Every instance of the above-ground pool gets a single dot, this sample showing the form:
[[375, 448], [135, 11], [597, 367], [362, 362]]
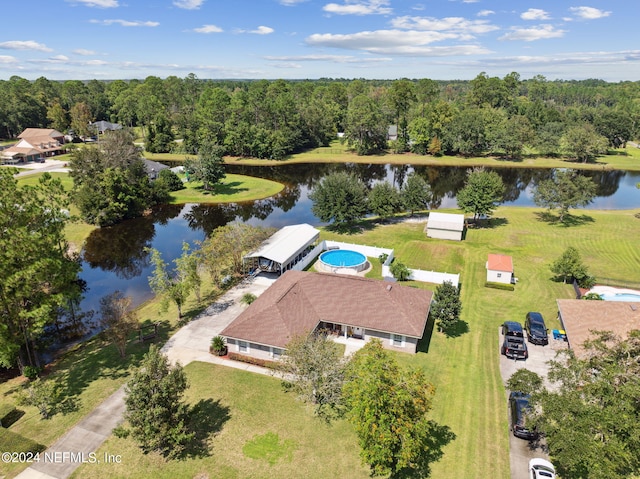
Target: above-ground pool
[[343, 258], [616, 294]]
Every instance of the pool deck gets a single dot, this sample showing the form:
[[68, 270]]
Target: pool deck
[[612, 290]]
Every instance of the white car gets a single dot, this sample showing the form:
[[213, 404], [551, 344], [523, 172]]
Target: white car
[[541, 469]]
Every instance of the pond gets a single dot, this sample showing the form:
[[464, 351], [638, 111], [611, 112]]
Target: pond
[[114, 258]]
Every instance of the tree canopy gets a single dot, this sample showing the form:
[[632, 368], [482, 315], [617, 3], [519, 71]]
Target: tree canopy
[[446, 306], [389, 408], [566, 189], [39, 276], [591, 417], [482, 193], [339, 197]]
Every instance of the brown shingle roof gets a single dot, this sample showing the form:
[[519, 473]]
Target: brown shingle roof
[[49, 133], [580, 317], [500, 262], [298, 301]]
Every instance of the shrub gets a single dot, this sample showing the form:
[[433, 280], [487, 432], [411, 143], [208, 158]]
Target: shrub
[[400, 271], [592, 297], [506, 287], [170, 179], [383, 257], [218, 345], [30, 372], [251, 360], [248, 298]]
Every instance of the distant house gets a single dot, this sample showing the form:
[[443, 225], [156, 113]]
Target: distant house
[[392, 132], [500, 269], [153, 168], [445, 226], [579, 318], [102, 126], [284, 249], [349, 306], [34, 143]]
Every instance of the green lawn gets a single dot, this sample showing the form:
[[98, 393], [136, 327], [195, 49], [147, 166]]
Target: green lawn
[[241, 416], [470, 397], [234, 188]]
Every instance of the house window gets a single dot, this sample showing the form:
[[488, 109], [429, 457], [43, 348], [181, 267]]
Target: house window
[[499, 275], [276, 353], [397, 340], [243, 347]]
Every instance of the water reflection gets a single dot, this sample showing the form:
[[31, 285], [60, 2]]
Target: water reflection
[[115, 258]]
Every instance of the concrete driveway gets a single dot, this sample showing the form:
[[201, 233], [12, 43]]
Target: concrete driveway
[[521, 450]]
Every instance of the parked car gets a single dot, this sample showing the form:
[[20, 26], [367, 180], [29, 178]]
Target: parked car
[[541, 469], [513, 344], [537, 332], [518, 408]]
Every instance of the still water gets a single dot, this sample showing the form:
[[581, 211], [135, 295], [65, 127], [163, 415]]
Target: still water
[[114, 258]]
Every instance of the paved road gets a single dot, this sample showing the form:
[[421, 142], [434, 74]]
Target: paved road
[[521, 450], [190, 343]]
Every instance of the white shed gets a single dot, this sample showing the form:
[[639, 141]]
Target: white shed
[[499, 269], [445, 226]]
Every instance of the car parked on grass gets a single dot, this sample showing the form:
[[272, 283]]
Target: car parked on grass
[[519, 407], [541, 469], [537, 332], [513, 344]]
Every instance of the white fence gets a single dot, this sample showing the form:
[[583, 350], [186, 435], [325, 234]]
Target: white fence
[[434, 277]]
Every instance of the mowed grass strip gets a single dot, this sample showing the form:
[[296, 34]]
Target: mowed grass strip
[[237, 411]]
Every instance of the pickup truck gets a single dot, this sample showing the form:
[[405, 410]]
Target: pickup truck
[[514, 347]]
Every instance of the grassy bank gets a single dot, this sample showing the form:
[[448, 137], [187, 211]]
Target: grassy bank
[[234, 188], [622, 159]]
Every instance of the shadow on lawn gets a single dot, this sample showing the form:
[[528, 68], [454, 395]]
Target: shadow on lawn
[[567, 221], [207, 419], [432, 452]]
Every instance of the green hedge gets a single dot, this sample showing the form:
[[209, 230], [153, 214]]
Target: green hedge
[[506, 287], [13, 442], [251, 360]]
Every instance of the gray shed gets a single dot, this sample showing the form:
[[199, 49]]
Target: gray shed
[[445, 226]]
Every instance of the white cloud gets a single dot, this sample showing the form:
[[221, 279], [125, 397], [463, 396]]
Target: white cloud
[[262, 30], [589, 13], [126, 23], [83, 52], [60, 58], [290, 3], [454, 24], [188, 4], [97, 3], [485, 13], [208, 29], [395, 42], [535, 14], [327, 58], [541, 32], [24, 45], [4, 59], [359, 7], [470, 1]]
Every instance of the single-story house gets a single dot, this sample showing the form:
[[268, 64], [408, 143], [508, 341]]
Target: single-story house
[[102, 126], [284, 249], [579, 317], [500, 269], [34, 143], [445, 226], [300, 302], [153, 168]]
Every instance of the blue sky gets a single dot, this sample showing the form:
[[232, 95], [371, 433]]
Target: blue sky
[[309, 39]]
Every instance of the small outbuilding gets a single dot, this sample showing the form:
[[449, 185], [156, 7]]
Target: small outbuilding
[[284, 249], [445, 226], [500, 269]]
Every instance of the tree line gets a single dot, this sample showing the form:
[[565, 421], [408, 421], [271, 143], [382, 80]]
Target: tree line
[[272, 119]]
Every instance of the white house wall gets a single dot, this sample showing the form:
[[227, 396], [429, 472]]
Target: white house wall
[[492, 276]]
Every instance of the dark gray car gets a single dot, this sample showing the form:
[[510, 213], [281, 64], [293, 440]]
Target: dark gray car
[[537, 332]]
